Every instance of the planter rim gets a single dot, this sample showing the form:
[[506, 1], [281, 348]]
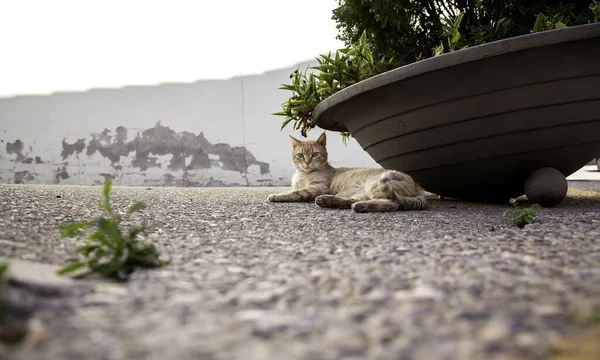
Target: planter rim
[[495, 48]]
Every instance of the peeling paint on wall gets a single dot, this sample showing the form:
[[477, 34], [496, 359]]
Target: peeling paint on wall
[[61, 174], [16, 148], [187, 150], [16, 156], [181, 158], [214, 133], [69, 149], [22, 176]]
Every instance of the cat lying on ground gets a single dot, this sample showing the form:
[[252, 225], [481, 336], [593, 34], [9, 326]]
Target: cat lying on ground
[[362, 189]]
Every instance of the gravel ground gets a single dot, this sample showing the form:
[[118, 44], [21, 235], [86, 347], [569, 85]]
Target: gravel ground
[[256, 280]]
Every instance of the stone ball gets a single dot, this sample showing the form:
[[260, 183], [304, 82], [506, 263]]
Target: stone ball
[[546, 186]]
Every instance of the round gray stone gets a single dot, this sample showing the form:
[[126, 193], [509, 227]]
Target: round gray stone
[[546, 186]]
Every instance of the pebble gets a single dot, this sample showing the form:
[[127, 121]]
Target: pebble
[[419, 292], [496, 331]]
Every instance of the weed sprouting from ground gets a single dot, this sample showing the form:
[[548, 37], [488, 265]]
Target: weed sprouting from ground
[[3, 280], [111, 251], [521, 216]]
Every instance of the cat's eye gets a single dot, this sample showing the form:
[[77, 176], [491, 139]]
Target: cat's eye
[[315, 154], [300, 155]]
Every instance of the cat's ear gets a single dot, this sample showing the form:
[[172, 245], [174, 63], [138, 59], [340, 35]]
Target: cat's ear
[[322, 140], [295, 142]]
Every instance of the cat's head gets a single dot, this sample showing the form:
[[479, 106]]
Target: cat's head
[[309, 155]]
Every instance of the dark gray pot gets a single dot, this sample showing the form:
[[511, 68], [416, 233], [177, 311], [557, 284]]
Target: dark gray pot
[[475, 123]]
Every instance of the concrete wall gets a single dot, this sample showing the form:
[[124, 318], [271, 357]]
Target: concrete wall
[[207, 133]]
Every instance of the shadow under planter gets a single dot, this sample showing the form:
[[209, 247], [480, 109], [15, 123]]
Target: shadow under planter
[[474, 124]]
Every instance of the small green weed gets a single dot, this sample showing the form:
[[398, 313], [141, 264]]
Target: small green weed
[[111, 251], [521, 216]]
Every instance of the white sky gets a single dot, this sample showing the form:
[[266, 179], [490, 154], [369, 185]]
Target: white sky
[[66, 45]]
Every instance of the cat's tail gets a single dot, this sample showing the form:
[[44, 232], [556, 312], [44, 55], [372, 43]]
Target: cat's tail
[[417, 202]]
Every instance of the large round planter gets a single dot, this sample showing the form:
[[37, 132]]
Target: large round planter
[[475, 123]]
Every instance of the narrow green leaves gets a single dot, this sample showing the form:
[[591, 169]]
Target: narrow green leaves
[[332, 74], [451, 31], [362, 58], [106, 195], [71, 268], [136, 206], [72, 229], [111, 251], [345, 137], [285, 122]]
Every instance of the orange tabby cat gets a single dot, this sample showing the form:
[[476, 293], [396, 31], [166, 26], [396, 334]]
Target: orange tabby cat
[[362, 189]]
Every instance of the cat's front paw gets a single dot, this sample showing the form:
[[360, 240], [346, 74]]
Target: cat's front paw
[[360, 207], [324, 200], [274, 198]]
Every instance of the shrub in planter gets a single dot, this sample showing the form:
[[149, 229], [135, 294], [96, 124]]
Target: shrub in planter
[[334, 72], [385, 34], [409, 29]]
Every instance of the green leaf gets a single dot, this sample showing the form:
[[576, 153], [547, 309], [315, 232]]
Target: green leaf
[[136, 206], [539, 23], [133, 233], [106, 195], [455, 30], [100, 236], [287, 87], [329, 59], [85, 250], [363, 39], [560, 25], [345, 137], [285, 122], [595, 7], [109, 228], [111, 268], [368, 57], [71, 268], [71, 229], [439, 50]]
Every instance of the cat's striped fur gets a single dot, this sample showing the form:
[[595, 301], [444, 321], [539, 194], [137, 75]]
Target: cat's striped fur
[[362, 189]]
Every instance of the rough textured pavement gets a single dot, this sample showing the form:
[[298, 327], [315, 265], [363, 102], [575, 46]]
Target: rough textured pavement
[[256, 280]]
